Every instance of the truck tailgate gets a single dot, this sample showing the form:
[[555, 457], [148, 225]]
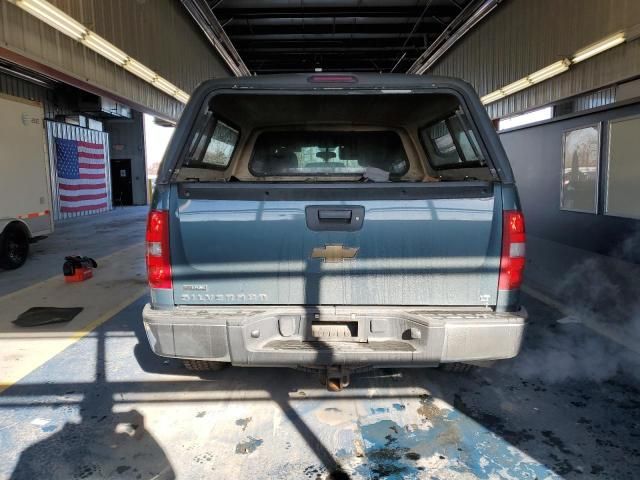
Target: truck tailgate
[[382, 244]]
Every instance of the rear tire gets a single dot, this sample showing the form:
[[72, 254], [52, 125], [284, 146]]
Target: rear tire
[[203, 365], [14, 247], [457, 367]]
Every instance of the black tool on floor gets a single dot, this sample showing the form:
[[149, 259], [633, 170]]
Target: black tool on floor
[[78, 269], [75, 262]]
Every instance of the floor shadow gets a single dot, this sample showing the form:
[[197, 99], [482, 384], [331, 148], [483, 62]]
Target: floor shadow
[[572, 427], [491, 421], [78, 450]]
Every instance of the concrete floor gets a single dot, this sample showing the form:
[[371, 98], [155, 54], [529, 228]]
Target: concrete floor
[[95, 236], [106, 407]]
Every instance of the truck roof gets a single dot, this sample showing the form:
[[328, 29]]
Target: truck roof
[[346, 79]]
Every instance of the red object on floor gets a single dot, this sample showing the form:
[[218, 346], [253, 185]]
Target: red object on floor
[[80, 275]]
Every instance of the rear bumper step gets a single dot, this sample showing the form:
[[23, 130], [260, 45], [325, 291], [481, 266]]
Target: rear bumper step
[[336, 347], [284, 336]]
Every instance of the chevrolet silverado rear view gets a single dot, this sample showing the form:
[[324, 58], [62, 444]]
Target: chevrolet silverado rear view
[[335, 223]]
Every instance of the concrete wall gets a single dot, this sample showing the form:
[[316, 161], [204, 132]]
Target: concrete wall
[[126, 138], [158, 33], [536, 156], [522, 36]]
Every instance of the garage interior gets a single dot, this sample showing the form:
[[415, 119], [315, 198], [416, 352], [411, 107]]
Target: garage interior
[[87, 398]]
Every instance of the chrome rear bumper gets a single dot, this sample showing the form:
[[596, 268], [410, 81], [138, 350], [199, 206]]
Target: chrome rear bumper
[[282, 335]]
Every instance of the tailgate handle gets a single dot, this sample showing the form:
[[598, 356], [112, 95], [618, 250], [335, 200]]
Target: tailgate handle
[[333, 215], [337, 218]]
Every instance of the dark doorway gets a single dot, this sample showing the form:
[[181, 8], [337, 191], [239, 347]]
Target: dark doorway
[[121, 185]]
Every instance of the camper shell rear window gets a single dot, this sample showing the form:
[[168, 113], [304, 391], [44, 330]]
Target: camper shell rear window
[[263, 136], [213, 145], [327, 153], [450, 143]]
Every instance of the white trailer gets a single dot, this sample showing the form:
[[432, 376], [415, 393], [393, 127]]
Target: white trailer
[[25, 185]]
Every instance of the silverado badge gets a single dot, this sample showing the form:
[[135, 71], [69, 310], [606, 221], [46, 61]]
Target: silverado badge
[[334, 253]]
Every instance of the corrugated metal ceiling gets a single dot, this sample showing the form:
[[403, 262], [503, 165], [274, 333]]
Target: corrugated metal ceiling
[[337, 35]]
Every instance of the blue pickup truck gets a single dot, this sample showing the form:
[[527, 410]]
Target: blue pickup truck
[[335, 222]]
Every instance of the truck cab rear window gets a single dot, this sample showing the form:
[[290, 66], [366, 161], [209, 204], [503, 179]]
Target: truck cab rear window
[[323, 153], [450, 143]]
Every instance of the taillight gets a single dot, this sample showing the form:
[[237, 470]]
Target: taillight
[[158, 262], [513, 251]]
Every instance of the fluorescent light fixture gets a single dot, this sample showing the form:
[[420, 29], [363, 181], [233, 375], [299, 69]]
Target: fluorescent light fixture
[[516, 86], [538, 76], [139, 70], [492, 97], [598, 47], [555, 68], [99, 45], [53, 16], [165, 86], [67, 25], [550, 71], [182, 96]]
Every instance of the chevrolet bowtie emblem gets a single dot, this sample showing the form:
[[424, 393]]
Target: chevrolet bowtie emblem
[[334, 253]]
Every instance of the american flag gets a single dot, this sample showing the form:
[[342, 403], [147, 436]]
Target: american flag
[[82, 181]]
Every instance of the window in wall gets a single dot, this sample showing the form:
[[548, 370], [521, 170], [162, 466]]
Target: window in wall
[[533, 116], [623, 170], [580, 169]]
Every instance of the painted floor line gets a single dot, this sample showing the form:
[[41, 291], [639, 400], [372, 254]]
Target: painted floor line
[[99, 261], [593, 325], [77, 335]]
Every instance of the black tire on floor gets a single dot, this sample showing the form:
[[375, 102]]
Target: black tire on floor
[[203, 365], [457, 367], [14, 246]]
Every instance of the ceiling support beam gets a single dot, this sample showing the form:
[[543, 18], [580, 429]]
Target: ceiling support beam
[[415, 26], [332, 12], [470, 16], [208, 23]]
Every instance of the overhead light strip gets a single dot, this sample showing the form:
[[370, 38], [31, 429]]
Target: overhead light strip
[[557, 67], [53, 16], [70, 27], [104, 48], [599, 47]]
